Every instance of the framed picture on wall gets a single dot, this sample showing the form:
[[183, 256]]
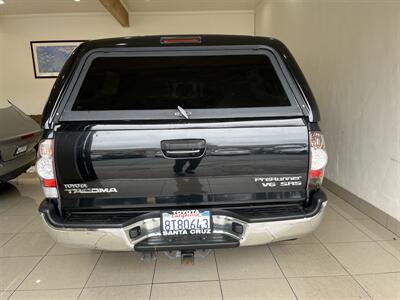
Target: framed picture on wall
[[50, 56]]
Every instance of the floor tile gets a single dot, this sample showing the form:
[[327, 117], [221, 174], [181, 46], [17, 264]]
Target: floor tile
[[190, 290], [393, 225], [14, 270], [9, 197], [60, 249], [12, 224], [61, 272], [344, 231], [257, 289], [344, 208], [374, 230], [136, 292], [168, 270], [364, 258], [30, 187], [392, 246], [23, 208], [306, 260], [327, 288], [27, 244], [347, 210], [381, 286], [331, 215], [121, 268], [330, 195], [35, 225], [308, 239], [5, 295], [5, 237], [71, 294], [7, 203], [247, 263]]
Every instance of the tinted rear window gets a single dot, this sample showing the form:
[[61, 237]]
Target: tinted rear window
[[195, 82]]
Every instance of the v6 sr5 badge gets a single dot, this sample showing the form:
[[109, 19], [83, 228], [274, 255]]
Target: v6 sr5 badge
[[279, 181]]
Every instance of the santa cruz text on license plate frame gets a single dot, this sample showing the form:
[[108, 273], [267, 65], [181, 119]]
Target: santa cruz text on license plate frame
[[186, 222]]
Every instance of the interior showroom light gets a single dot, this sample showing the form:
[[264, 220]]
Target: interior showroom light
[[2, 2]]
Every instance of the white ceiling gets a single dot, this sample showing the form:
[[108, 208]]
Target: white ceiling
[[12, 7]]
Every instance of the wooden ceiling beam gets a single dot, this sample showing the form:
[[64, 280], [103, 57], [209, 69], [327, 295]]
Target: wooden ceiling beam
[[117, 10]]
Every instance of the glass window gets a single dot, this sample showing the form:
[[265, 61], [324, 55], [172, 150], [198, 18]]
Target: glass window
[[192, 82]]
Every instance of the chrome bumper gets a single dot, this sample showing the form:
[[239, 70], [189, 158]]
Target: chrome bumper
[[118, 239]]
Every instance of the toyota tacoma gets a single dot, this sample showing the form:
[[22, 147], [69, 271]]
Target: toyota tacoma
[[181, 143]]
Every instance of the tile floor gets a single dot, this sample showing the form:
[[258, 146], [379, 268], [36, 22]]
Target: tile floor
[[350, 256]]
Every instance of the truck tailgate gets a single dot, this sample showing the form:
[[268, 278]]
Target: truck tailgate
[[126, 166]]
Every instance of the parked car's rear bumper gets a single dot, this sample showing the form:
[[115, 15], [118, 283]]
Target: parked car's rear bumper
[[119, 239], [13, 168]]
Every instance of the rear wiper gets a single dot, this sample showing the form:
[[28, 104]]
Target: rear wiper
[[183, 112]]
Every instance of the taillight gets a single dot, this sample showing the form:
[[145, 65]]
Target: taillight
[[318, 160], [27, 136], [45, 168]]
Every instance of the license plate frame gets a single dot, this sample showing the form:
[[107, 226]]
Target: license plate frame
[[192, 222]]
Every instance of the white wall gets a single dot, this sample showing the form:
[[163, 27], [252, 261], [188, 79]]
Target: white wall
[[350, 52], [17, 80], [1, 67]]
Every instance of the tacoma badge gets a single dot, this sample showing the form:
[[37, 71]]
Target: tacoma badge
[[84, 189]]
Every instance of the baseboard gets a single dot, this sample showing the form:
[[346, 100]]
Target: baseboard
[[371, 211]]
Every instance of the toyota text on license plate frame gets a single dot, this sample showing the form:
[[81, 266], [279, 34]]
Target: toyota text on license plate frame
[[186, 222]]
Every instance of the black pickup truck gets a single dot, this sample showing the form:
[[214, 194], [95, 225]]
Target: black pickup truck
[[181, 143]]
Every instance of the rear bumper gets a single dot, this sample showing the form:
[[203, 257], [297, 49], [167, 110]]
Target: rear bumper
[[13, 168], [119, 239]]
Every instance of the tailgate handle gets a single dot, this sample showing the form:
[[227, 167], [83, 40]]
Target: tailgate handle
[[182, 151], [184, 148]]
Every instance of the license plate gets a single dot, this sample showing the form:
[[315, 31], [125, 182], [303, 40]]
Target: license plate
[[21, 150], [186, 222]]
